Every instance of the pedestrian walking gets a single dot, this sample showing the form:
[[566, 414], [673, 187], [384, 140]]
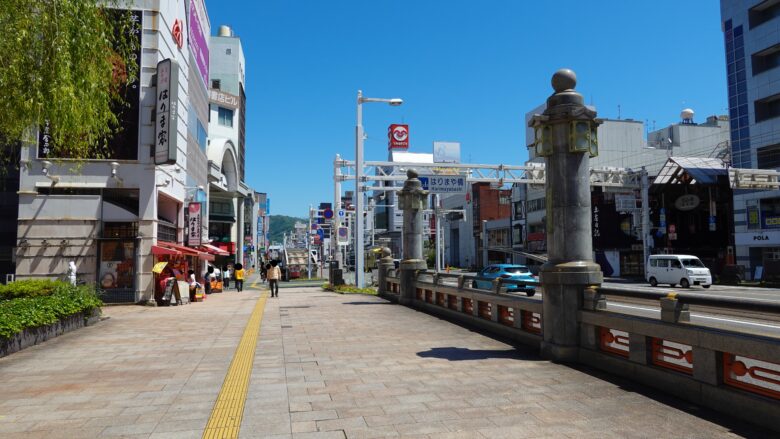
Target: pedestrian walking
[[239, 277], [193, 284], [228, 272], [274, 274], [264, 271], [207, 277]]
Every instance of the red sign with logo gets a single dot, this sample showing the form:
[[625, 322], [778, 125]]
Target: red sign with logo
[[176, 31], [398, 136]]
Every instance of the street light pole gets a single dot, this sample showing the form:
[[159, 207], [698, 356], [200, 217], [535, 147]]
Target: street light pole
[[359, 225]]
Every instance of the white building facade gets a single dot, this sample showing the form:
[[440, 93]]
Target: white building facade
[[109, 215], [751, 30]]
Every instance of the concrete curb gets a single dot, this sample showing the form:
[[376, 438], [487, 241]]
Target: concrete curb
[[33, 336]]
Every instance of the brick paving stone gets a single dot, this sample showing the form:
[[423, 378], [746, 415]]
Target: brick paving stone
[[323, 368]]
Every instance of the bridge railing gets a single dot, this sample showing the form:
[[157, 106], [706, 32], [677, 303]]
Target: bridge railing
[[725, 368]]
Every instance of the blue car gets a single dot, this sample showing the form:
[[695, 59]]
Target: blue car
[[505, 271]]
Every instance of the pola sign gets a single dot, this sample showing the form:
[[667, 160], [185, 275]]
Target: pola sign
[[398, 136]]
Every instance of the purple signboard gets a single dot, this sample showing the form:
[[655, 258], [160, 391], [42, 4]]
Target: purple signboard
[[198, 43]]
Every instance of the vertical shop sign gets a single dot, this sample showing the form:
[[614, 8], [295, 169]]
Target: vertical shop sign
[[165, 134], [197, 38], [194, 224], [596, 227]]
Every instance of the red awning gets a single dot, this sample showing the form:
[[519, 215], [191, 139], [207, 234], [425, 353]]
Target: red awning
[[157, 250], [189, 251], [214, 250]]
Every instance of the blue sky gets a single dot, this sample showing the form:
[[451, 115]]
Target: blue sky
[[468, 71]]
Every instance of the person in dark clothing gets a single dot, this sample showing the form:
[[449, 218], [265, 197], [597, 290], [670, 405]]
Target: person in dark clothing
[[207, 279]]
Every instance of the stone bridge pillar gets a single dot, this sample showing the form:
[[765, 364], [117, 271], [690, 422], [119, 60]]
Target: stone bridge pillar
[[385, 264], [565, 134], [412, 200]]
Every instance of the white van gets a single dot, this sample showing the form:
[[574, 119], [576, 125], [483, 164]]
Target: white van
[[685, 270]]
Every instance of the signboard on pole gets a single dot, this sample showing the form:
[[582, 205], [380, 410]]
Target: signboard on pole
[[343, 236], [166, 117], [444, 184], [194, 224], [398, 136]]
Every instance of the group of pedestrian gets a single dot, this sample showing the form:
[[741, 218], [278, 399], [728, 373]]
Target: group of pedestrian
[[214, 274]]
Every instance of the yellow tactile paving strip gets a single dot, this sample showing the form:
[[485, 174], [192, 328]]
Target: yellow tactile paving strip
[[225, 419]]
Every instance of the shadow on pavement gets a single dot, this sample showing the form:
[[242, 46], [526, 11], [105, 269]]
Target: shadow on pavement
[[367, 303], [462, 354], [735, 426]]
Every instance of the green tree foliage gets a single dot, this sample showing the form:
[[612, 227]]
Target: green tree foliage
[[281, 224], [66, 62]]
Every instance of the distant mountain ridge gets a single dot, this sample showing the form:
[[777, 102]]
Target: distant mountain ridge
[[281, 224]]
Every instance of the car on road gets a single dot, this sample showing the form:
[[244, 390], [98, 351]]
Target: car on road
[[685, 270], [485, 278]]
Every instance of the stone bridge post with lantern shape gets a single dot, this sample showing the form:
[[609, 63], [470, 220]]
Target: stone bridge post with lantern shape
[[565, 135], [412, 200]]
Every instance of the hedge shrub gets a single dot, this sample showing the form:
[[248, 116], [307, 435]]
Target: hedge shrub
[[30, 288], [37, 309]]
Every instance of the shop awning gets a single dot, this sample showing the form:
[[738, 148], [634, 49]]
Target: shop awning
[[691, 170], [214, 250], [158, 250], [189, 251]]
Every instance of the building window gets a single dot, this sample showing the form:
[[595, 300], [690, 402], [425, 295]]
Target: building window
[[737, 95], [228, 51], [166, 232], [769, 157], [766, 59], [536, 205], [225, 117], [763, 12], [767, 108], [216, 84]]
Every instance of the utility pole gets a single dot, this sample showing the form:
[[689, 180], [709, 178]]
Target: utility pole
[[308, 243]]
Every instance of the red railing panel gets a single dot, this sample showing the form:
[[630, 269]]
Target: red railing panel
[[419, 293], [452, 302], [506, 315], [614, 341], [531, 322], [440, 299], [428, 296], [468, 306], [485, 310], [672, 355], [753, 375]]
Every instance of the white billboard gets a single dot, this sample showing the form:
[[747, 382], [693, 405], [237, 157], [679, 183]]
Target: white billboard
[[446, 152]]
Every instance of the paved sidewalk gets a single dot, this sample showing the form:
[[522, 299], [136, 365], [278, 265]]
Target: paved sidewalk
[[325, 365]]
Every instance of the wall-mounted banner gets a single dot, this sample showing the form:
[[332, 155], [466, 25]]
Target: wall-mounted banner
[[194, 224], [165, 134], [198, 20]]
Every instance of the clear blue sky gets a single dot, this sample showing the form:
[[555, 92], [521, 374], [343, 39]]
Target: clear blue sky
[[468, 71]]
